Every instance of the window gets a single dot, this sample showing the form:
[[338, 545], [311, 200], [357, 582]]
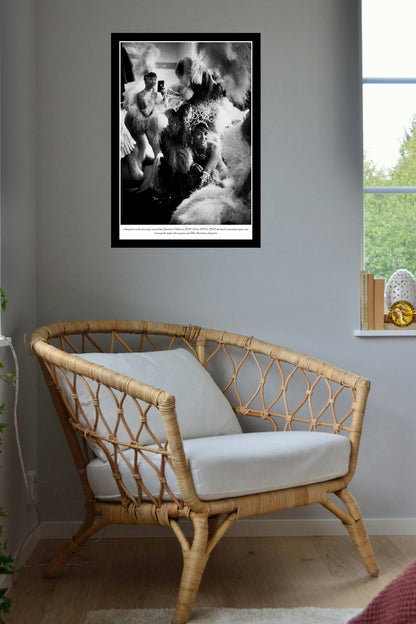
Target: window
[[389, 134]]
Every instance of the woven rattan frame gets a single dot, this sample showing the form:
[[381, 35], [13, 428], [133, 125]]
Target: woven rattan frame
[[324, 397]]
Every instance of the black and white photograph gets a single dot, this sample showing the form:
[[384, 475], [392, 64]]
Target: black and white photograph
[[185, 140]]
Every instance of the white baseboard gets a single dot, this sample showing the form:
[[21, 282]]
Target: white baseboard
[[245, 528]]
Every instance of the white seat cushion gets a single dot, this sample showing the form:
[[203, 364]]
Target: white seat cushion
[[201, 407], [238, 464]]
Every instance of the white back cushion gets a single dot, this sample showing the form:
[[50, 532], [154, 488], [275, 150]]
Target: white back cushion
[[201, 407]]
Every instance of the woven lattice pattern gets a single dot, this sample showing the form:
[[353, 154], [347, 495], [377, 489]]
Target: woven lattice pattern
[[285, 395]]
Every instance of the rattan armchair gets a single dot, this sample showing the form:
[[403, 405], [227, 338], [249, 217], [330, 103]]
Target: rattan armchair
[[151, 468]]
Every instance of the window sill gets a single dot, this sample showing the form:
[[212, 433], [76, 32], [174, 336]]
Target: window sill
[[373, 333]]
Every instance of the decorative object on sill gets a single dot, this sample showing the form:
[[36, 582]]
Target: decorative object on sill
[[402, 313], [401, 298], [364, 299], [372, 301], [378, 303], [401, 287]]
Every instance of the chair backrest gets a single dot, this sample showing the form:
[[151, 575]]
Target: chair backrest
[[261, 380]]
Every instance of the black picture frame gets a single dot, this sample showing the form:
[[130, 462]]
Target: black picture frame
[[149, 208]]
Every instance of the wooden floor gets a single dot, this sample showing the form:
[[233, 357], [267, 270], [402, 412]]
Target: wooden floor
[[241, 573]]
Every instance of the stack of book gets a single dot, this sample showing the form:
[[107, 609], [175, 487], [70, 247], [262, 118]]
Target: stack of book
[[372, 301]]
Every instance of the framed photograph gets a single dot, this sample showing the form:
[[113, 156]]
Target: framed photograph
[[185, 140]]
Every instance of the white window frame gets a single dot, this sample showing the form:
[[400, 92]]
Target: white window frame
[[366, 80]]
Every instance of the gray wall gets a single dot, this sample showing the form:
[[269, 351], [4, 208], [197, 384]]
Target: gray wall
[[300, 289], [18, 254]]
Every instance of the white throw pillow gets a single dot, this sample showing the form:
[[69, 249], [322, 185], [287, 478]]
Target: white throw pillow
[[201, 407]]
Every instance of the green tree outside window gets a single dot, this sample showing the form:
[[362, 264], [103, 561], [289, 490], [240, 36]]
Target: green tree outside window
[[390, 218]]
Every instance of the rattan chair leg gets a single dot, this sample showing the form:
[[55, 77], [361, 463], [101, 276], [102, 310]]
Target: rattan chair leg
[[358, 532], [360, 539], [74, 546], [195, 558], [353, 522]]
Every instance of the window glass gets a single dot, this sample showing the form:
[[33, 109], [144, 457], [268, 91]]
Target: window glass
[[390, 233], [388, 33], [389, 115]]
